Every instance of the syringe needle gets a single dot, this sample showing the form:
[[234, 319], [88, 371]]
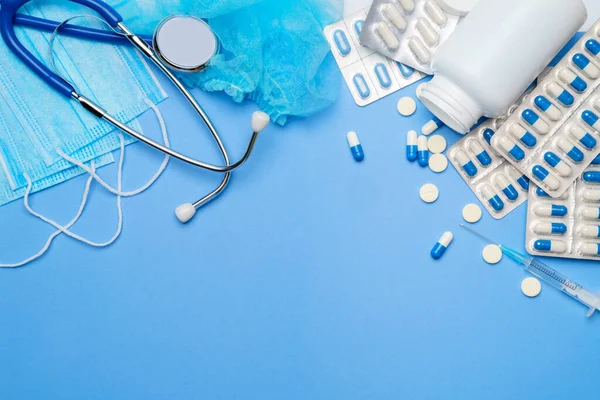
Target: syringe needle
[[478, 234]]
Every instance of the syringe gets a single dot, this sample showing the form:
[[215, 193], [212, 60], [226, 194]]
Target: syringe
[[548, 275]]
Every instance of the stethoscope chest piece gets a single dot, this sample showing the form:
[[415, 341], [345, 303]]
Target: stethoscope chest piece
[[185, 43]]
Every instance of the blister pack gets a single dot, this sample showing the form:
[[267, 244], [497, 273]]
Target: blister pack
[[498, 185], [553, 135], [567, 226], [410, 31], [369, 76]]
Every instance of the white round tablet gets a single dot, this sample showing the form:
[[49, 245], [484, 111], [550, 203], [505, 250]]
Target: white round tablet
[[531, 287], [492, 254], [471, 213], [436, 144], [438, 163], [420, 89], [407, 106], [429, 193]]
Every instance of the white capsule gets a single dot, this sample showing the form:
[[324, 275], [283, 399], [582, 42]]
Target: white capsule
[[431, 126], [590, 231], [590, 249], [427, 32], [436, 13], [419, 50], [395, 17], [591, 195], [385, 33], [591, 213], [407, 5]]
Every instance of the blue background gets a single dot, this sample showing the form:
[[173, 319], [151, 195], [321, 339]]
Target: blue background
[[310, 278]]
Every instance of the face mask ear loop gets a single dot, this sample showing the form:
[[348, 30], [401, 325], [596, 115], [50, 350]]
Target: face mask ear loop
[[53, 236], [154, 178], [72, 235]]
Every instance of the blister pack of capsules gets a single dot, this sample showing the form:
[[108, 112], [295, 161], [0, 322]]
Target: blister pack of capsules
[[499, 186], [567, 226], [408, 31], [554, 134], [368, 75]]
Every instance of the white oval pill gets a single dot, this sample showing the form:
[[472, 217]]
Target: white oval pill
[[419, 50], [492, 254], [531, 287], [395, 17], [407, 5], [407, 106], [385, 33], [472, 213], [438, 163], [436, 13], [427, 32], [429, 193], [437, 144]]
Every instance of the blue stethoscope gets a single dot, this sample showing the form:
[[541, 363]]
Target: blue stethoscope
[[168, 49]]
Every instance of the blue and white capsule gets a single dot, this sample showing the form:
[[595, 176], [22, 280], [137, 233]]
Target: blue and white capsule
[[492, 198], [550, 246], [523, 135], [431, 126], [512, 149], [570, 150], [545, 177], [560, 94], [591, 213], [341, 42], [586, 66], [422, 151], [535, 121], [596, 161], [411, 146], [539, 192], [482, 155], [591, 195], [442, 245], [508, 189], [550, 210], [521, 179], [545, 105], [488, 134], [465, 163], [550, 228], [572, 79], [592, 177], [383, 75], [590, 249], [590, 231], [558, 164], [585, 138], [405, 70], [591, 119], [593, 47], [355, 147], [361, 85]]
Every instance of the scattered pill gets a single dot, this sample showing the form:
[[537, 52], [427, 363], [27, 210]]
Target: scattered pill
[[429, 193], [407, 106], [472, 213], [531, 287], [440, 247], [411, 146], [438, 163], [431, 126], [355, 146], [422, 151], [492, 254], [436, 144], [550, 246]]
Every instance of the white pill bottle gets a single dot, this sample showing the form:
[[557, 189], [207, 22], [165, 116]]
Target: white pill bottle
[[495, 54]]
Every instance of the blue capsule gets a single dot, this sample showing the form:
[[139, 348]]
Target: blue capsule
[[561, 94], [422, 151], [493, 199], [488, 134], [543, 175], [541, 193], [360, 83], [513, 150], [584, 64], [592, 176], [507, 188], [405, 70], [411, 146], [559, 228], [558, 211], [596, 161], [523, 135], [523, 182], [465, 162], [355, 147], [440, 247], [383, 76], [534, 120], [550, 228], [548, 108], [593, 47], [590, 118], [358, 26], [552, 246], [570, 78], [571, 151], [341, 42], [481, 154], [557, 163]]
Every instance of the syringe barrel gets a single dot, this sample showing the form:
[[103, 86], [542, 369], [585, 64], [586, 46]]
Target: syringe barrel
[[551, 276]]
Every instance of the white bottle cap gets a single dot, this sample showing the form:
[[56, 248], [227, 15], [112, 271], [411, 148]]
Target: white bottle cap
[[451, 104]]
